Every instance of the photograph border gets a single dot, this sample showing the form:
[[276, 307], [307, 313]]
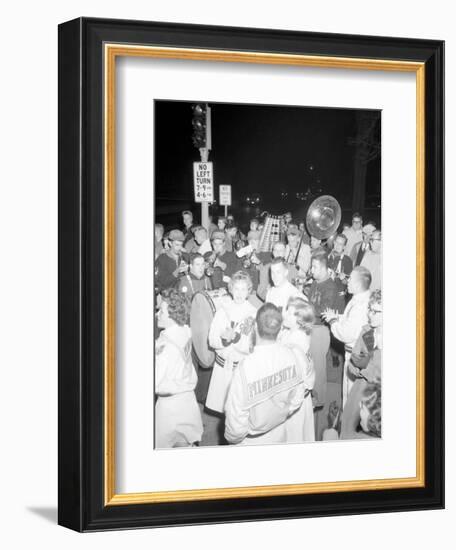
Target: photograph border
[[88, 49]]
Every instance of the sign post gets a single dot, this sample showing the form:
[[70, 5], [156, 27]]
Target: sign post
[[203, 182], [225, 197]]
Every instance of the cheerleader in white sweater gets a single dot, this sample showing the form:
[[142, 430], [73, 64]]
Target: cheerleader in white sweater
[[230, 336], [177, 416]]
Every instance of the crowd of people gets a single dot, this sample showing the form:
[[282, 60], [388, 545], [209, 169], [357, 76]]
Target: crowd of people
[[279, 317]]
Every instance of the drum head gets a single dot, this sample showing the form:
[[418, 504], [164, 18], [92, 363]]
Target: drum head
[[201, 315]]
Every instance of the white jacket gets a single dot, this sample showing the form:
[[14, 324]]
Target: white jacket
[[279, 295], [348, 326], [267, 387], [299, 342], [178, 419], [174, 370], [241, 318]]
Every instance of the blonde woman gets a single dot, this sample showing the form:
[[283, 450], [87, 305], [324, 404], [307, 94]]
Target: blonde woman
[[230, 337], [298, 320]]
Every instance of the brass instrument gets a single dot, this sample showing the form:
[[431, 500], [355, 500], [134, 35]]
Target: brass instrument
[[209, 269], [322, 221], [323, 217], [182, 264]]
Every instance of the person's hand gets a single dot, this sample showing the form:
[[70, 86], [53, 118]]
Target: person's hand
[[255, 260], [329, 315], [247, 325], [359, 360], [354, 371], [342, 276], [227, 334]]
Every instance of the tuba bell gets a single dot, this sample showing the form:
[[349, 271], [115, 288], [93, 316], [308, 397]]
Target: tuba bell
[[323, 217]]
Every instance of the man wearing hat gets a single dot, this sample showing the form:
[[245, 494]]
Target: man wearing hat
[[170, 265], [223, 262]]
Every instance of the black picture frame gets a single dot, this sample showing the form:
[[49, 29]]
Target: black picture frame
[[81, 473]]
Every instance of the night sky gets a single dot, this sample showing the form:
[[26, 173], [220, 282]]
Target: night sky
[[260, 149]]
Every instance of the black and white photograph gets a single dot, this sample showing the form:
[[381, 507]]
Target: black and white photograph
[[224, 307], [268, 274]]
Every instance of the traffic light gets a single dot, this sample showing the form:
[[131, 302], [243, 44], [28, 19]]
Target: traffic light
[[200, 123]]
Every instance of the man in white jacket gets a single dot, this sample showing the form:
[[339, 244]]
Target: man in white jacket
[[267, 387], [347, 327]]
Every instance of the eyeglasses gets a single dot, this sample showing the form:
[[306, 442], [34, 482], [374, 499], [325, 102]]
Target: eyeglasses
[[374, 311]]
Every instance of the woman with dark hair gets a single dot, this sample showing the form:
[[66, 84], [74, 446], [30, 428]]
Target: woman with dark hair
[[298, 320], [177, 416]]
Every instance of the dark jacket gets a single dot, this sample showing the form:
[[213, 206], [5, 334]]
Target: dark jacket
[[325, 295], [167, 267]]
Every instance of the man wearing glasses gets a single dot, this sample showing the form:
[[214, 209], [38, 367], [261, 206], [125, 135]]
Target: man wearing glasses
[[360, 248], [354, 233], [372, 260]]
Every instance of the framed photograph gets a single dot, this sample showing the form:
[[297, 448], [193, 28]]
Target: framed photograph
[[251, 315]]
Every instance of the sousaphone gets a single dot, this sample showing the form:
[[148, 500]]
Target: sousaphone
[[323, 217]]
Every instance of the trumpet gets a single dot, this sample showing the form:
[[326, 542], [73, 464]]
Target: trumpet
[[302, 282], [209, 269], [183, 265], [249, 256]]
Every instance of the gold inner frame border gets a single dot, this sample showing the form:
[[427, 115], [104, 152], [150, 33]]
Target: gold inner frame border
[[110, 53]]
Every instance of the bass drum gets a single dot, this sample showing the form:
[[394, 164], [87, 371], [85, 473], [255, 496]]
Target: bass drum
[[204, 305]]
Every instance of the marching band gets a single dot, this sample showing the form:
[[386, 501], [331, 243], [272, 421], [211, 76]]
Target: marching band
[[249, 323]]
